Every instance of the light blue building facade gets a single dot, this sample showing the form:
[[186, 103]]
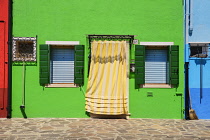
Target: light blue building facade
[[197, 55]]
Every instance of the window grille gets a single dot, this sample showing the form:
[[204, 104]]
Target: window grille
[[199, 51], [24, 49]]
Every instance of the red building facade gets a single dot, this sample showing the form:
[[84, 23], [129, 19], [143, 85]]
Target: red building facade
[[4, 20]]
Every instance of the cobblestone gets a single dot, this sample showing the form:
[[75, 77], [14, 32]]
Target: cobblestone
[[103, 129]]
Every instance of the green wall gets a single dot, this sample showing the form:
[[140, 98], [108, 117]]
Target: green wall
[[71, 20]]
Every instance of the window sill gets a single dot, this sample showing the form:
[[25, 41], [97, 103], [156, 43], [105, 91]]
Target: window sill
[[194, 58], [61, 85], [156, 86]]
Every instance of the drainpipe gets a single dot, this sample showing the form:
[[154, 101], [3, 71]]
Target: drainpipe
[[187, 102], [22, 106], [186, 29], [9, 105], [186, 66], [191, 17]]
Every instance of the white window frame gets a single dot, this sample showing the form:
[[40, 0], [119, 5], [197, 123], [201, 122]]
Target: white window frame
[[156, 44]]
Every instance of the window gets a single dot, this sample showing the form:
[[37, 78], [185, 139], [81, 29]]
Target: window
[[24, 49], [61, 65], [156, 66], [199, 51]]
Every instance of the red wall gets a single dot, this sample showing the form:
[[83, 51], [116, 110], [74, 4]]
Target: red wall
[[3, 57]]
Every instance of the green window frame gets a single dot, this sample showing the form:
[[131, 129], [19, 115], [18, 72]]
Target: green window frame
[[140, 65], [174, 65], [45, 64]]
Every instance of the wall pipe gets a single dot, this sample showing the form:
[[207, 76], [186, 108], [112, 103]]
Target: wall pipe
[[186, 65], [186, 27], [9, 101], [191, 16], [23, 84], [187, 96], [22, 106], [201, 79]]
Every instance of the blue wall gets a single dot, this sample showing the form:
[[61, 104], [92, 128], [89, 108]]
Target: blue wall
[[200, 17], [199, 68], [199, 73], [200, 102], [199, 81]]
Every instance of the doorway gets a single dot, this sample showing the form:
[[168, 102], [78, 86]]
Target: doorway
[[108, 82]]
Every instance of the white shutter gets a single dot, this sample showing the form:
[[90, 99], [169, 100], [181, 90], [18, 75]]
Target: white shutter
[[62, 65], [156, 66]]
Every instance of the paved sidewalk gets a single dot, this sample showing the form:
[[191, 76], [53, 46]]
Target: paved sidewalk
[[102, 129]]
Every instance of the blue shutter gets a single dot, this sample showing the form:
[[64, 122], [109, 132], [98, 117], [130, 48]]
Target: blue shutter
[[62, 65], [156, 66]]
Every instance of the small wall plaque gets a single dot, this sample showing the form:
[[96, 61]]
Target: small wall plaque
[[135, 41]]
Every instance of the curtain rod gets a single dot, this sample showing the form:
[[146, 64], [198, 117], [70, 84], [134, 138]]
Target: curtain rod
[[111, 36]]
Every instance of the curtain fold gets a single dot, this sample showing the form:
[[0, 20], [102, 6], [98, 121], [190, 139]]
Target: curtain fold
[[107, 83]]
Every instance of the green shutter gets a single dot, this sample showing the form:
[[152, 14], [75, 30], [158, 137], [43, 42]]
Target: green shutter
[[44, 67], [79, 64], [174, 65], [139, 65]]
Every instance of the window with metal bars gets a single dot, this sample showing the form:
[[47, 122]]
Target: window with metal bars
[[24, 49], [199, 51]]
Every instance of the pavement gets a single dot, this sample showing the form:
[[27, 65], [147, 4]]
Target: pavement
[[103, 129]]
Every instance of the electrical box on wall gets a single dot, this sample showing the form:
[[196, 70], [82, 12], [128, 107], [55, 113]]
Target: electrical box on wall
[[132, 67]]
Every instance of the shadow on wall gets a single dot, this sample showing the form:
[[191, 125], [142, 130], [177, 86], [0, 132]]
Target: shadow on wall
[[200, 61], [27, 63]]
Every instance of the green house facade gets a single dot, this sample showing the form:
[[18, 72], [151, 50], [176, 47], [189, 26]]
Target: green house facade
[[52, 56]]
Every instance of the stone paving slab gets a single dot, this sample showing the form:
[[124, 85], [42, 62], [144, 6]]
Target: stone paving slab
[[103, 129]]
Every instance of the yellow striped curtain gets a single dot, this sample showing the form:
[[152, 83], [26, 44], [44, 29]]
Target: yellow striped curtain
[[107, 83]]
